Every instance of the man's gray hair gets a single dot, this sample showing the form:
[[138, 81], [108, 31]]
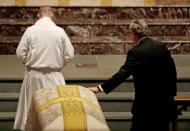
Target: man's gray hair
[[139, 27]]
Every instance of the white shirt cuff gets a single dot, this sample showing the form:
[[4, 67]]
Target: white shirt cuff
[[100, 87]]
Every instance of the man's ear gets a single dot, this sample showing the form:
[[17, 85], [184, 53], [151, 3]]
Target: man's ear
[[38, 15], [133, 36], [52, 15]]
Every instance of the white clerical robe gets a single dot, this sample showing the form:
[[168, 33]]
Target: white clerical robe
[[44, 49]]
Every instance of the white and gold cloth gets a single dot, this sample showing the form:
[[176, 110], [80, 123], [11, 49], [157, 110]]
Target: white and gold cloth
[[65, 108]]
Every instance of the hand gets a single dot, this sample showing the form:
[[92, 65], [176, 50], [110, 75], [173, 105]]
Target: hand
[[94, 89]]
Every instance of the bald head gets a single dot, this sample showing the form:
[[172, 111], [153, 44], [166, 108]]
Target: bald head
[[45, 11]]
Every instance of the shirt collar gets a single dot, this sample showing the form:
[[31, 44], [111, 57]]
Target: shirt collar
[[45, 21]]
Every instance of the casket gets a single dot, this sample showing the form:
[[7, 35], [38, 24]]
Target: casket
[[65, 108]]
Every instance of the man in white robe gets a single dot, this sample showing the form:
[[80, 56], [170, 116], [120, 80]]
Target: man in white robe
[[44, 49]]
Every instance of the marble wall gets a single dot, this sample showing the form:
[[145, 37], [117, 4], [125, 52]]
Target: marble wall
[[101, 30], [92, 2]]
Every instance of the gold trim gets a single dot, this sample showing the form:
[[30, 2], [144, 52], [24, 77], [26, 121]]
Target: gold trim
[[20, 2], [149, 2], [63, 2], [74, 115], [58, 100], [106, 2]]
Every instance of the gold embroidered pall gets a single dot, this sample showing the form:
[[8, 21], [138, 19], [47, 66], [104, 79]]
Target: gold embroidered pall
[[65, 108]]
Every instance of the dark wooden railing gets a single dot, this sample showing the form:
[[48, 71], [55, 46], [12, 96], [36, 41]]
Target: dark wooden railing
[[185, 102]]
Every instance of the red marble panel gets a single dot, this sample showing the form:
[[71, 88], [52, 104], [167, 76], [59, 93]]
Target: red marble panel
[[183, 49], [93, 49], [100, 30], [97, 30], [100, 12], [172, 2], [12, 30], [169, 30], [98, 49], [7, 48]]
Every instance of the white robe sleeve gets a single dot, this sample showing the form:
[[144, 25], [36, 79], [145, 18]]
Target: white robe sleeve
[[22, 49], [68, 53]]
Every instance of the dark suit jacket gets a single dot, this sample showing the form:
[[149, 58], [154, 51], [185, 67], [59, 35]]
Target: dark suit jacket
[[154, 75]]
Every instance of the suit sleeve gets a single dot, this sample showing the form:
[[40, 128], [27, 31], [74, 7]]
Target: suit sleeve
[[172, 76], [170, 73], [22, 49], [68, 53], [125, 71]]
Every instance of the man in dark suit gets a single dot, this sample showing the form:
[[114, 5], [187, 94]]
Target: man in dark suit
[[154, 75]]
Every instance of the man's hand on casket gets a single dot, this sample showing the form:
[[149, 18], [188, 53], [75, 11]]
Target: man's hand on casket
[[94, 89]]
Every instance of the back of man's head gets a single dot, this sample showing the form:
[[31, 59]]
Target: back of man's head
[[45, 11], [139, 28]]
